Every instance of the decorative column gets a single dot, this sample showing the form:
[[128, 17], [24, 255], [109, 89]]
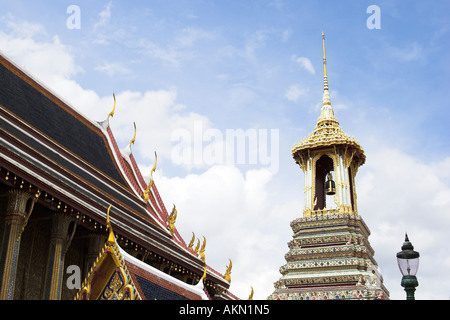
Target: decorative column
[[15, 221], [59, 242]]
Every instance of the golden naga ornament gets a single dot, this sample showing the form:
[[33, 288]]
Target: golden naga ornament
[[171, 220], [227, 275], [134, 137], [202, 250], [111, 114], [251, 294], [111, 238], [147, 191], [191, 244]]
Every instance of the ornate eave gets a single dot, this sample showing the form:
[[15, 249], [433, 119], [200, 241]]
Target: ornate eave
[[326, 134]]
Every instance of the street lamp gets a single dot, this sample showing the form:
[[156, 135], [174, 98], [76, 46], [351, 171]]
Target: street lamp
[[408, 262]]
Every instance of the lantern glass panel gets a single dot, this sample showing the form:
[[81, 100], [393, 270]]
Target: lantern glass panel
[[408, 267]]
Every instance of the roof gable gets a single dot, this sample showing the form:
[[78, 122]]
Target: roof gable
[[116, 275]]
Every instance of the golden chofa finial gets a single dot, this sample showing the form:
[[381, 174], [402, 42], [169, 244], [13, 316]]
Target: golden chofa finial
[[202, 250], [105, 123], [111, 238], [134, 137], [146, 192], [251, 294], [171, 220], [111, 114], [227, 275]]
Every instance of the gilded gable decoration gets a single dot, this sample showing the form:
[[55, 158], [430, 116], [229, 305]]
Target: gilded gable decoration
[[108, 278]]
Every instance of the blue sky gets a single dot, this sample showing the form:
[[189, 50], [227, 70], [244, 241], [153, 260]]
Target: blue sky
[[257, 65]]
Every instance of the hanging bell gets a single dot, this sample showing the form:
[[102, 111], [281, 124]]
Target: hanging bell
[[330, 186]]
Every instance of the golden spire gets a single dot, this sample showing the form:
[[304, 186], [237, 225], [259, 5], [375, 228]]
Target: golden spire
[[327, 113], [325, 78]]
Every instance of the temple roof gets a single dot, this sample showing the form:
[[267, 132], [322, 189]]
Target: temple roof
[[54, 119], [63, 153], [62, 143]]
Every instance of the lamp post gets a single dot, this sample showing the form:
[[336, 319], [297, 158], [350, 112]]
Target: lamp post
[[408, 262]]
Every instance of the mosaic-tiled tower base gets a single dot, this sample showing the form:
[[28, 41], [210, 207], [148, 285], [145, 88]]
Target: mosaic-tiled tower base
[[329, 258]]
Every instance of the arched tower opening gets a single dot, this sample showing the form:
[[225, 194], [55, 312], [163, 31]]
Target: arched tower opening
[[324, 167]]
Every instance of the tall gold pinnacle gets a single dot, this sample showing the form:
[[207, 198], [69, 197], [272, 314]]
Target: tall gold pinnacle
[[325, 77], [327, 113], [324, 57]]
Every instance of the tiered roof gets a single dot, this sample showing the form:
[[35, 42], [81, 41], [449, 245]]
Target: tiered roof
[[78, 162]]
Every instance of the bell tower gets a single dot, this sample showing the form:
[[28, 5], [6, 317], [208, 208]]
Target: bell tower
[[330, 256], [329, 157]]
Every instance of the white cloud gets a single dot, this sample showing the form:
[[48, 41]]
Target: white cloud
[[156, 113], [277, 4], [104, 16], [409, 53], [396, 194], [253, 43], [157, 116], [232, 210], [177, 50], [46, 59], [305, 63], [286, 35], [189, 36], [294, 92], [22, 29], [112, 69]]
